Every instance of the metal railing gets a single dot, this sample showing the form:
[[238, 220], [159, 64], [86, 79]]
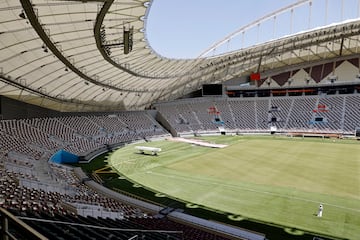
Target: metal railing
[[13, 228]]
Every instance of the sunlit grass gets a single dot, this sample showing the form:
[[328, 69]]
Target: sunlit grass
[[278, 180]]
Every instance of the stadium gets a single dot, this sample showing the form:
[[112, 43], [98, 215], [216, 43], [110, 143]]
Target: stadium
[[101, 137]]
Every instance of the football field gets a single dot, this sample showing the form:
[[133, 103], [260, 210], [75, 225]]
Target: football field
[[273, 179]]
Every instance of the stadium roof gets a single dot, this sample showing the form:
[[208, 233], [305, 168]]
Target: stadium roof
[[68, 55]]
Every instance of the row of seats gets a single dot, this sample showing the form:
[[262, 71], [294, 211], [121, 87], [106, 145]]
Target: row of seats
[[17, 196], [92, 228], [42, 205], [26, 193], [78, 135], [288, 113], [62, 226]]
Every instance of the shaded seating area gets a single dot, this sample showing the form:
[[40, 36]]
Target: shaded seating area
[[31, 187], [258, 114], [77, 227]]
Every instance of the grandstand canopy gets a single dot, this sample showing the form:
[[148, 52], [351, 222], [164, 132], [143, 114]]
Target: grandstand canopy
[[69, 55]]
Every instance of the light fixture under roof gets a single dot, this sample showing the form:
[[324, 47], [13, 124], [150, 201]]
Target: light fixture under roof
[[44, 47], [22, 15]]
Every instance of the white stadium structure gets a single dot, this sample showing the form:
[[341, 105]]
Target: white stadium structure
[[79, 78], [63, 55]]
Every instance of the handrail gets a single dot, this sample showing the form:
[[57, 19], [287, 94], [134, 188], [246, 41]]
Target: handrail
[[9, 219]]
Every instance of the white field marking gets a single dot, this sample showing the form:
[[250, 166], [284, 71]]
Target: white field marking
[[197, 142], [252, 190]]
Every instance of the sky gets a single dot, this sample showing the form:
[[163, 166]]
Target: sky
[[185, 28]]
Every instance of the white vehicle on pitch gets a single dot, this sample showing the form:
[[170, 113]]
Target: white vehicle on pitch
[[153, 150]]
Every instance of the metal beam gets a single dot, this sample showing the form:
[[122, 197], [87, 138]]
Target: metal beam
[[254, 23], [32, 17], [341, 46]]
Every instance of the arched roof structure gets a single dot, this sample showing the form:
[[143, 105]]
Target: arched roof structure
[[67, 55]]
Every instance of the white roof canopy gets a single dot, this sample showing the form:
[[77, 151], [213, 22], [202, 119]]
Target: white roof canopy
[[67, 55]]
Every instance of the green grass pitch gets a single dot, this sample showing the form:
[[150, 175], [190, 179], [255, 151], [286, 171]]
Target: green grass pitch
[[273, 179]]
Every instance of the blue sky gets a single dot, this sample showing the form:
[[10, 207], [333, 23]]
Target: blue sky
[[185, 28]]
